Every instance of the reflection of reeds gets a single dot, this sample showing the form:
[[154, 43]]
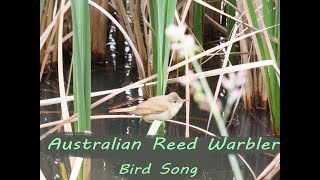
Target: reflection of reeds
[[99, 24], [183, 63], [135, 33]]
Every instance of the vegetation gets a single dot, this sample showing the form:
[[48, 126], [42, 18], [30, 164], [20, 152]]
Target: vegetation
[[249, 42]]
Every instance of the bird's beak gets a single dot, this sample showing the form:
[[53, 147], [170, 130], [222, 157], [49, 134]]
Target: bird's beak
[[184, 100]]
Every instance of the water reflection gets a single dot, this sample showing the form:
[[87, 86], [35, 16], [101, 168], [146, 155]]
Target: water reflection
[[117, 72]]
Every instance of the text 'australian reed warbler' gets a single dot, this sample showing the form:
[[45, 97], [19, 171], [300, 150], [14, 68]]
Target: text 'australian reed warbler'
[[159, 108]]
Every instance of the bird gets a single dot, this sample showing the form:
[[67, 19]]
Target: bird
[[160, 108]]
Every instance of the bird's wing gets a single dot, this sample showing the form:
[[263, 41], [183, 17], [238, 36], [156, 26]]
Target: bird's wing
[[128, 109], [151, 107]]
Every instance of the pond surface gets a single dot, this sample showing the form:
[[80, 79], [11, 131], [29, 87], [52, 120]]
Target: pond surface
[[118, 71]]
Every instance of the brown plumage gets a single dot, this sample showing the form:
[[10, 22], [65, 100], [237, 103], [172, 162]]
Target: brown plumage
[[156, 108]]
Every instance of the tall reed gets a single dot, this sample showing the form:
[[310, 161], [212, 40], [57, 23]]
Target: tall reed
[[82, 63], [230, 24], [266, 52], [82, 69], [197, 28], [162, 14]]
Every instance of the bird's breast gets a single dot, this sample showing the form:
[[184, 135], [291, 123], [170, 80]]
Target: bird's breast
[[160, 116]]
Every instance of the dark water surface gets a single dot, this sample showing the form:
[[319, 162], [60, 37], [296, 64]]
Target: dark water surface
[[118, 71]]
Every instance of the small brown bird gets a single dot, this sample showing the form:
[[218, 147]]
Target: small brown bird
[[156, 108]]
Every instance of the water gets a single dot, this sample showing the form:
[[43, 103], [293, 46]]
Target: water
[[119, 71]]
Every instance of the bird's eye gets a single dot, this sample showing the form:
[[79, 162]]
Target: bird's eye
[[174, 101]]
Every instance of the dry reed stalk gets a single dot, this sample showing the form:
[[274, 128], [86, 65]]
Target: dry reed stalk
[[44, 17], [103, 27], [44, 54], [94, 29], [52, 101], [146, 31], [99, 24], [248, 86], [76, 168], [55, 50], [192, 126], [138, 6], [255, 42], [87, 169], [139, 62], [138, 59], [64, 105], [125, 116], [200, 55], [235, 53], [180, 4], [245, 58], [234, 7], [187, 85], [211, 56], [55, 8], [191, 15], [143, 81], [251, 89], [69, 77], [272, 38], [50, 112], [266, 40], [215, 17], [270, 167], [138, 32], [175, 56], [266, 45], [66, 37], [42, 177], [205, 74], [242, 88], [220, 28], [223, 13], [48, 14], [273, 172], [224, 65], [248, 166], [54, 123], [150, 65], [211, 134], [44, 61], [123, 18], [256, 85], [63, 171], [95, 104], [264, 93], [48, 29]]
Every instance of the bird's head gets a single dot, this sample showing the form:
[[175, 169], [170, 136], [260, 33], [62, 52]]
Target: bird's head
[[175, 100]]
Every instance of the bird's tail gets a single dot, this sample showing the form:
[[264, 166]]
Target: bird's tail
[[129, 109]]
